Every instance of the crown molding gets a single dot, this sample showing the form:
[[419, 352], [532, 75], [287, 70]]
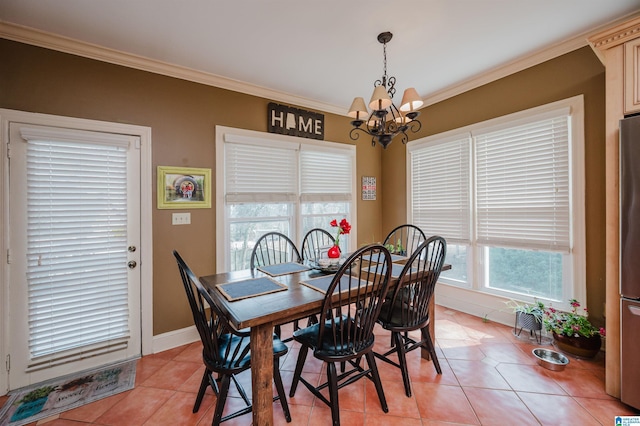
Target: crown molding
[[617, 33], [51, 41], [47, 40]]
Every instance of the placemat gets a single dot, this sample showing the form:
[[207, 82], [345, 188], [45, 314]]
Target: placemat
[[395, 258], [322, 284], [398, 258], [249, 288], [396, 269], [283, 268]]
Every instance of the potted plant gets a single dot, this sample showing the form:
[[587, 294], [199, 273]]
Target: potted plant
[[573, 332], [397, 249], [528, 316]]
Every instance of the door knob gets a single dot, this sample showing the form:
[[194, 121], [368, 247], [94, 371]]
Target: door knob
[[132, 264]]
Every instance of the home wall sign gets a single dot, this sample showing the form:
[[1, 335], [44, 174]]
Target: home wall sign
[[290, 121]]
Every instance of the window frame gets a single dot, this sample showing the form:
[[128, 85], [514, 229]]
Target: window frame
[[490, 299], [222, 219]]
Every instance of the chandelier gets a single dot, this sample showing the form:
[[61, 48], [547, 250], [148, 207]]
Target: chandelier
[[385, 121]]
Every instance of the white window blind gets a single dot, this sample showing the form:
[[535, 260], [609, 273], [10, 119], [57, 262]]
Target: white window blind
[[76, 243], [522, 178], [440, 188], [325, 175], [255, 173]]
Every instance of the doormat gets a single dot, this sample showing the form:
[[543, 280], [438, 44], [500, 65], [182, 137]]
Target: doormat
[[35, 402]]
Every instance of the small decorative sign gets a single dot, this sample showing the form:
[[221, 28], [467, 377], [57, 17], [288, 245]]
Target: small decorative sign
[[286, 120], [368, 188]]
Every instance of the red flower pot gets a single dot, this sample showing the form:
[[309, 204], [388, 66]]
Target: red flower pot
[[334, 252]]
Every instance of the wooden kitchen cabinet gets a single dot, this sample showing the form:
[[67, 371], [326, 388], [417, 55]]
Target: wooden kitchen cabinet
[[632, 76], [618, 49]]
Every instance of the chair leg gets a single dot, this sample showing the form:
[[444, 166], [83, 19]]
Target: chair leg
[[302, 356], [332, 377], [277, 378], [222, 398], [203, 388], [241, 391], [371, 360], [402, 360], [426, 337]]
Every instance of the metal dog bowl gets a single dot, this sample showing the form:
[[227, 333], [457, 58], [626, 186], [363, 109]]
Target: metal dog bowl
[[549, 359]]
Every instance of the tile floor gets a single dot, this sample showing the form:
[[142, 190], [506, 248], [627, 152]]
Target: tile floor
[[489, 377]]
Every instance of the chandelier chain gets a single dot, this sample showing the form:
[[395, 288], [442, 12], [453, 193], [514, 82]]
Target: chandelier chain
[[384, 54], [389, 83]]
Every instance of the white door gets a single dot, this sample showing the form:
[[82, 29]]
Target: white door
[[74, 251]]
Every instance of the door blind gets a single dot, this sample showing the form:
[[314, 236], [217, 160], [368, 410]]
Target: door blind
[[76, 244]]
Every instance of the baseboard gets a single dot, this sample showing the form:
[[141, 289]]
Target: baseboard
[[173, 339], [487, 306]]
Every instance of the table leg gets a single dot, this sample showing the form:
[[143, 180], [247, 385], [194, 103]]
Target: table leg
[[262, 374]]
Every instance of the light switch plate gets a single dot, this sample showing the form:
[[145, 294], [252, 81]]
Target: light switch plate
[[181, 219]]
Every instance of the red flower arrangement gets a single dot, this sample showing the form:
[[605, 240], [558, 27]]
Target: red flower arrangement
[[343, 228]]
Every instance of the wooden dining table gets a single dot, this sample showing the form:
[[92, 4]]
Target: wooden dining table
[[261, 313]]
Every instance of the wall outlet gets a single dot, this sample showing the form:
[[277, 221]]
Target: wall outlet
[[181, 219]]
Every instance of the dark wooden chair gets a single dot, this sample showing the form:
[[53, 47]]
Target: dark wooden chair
[[225, 351], [344, 332], [406, 308], [315, 242], [405, 239], [273, 248]]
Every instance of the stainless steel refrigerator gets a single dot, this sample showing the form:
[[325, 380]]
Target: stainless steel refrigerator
[[630, 260]]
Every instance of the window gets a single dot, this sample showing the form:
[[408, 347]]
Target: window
[[267, 182], [508, 195]]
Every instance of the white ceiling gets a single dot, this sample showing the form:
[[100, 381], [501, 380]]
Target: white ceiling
[[321, 54]]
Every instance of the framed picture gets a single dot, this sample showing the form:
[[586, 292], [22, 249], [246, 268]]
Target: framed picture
[[184, 188]]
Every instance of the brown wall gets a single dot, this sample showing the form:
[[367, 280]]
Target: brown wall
[[578, 72], [183, 116]]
